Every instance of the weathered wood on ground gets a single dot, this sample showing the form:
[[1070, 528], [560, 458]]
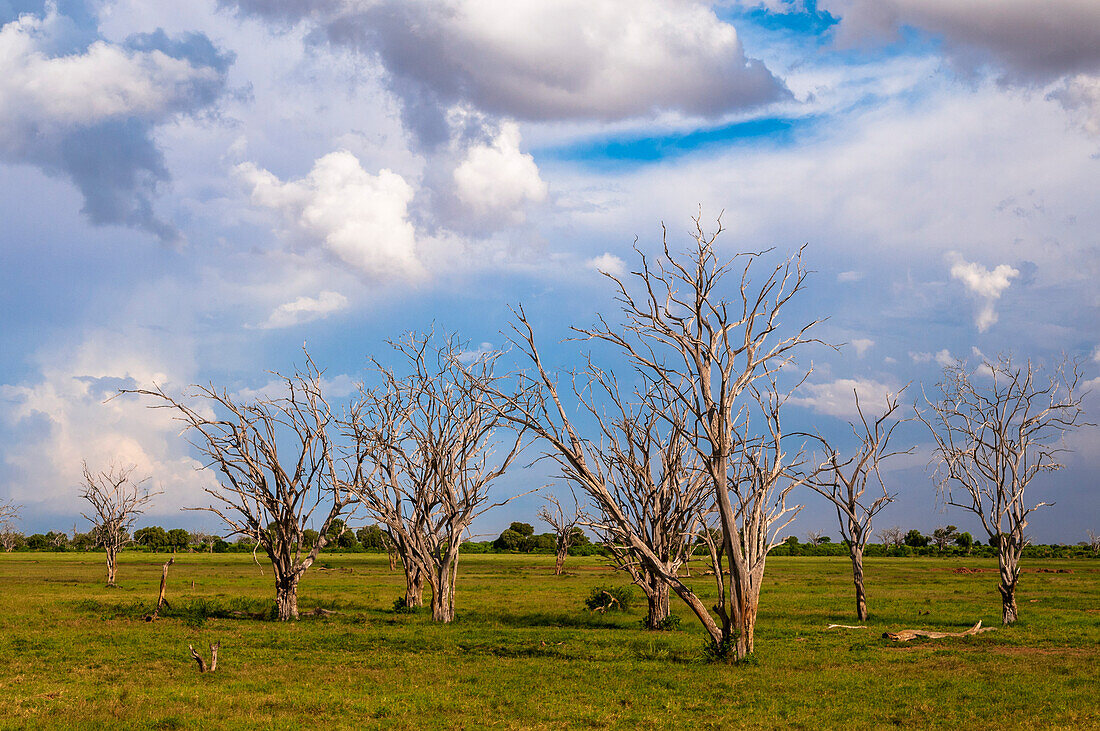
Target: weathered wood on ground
[[905, 635]]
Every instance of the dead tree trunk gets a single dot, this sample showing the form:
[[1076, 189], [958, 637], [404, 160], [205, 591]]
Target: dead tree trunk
[[443, 590], [656, 594], [161, 600], [855, 552], [559, 560], [414, 585], [286, 597], [1008, 566], [112, 565]]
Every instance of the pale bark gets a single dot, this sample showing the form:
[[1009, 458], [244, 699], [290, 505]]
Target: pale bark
[[278, 465], [162, 600], [431, 442], [993, 437], [116, 500], [845, 483], [904, 635], [414, 585], [564, 524], [656, 592], [112, 566], [856, 554], [696, 353]]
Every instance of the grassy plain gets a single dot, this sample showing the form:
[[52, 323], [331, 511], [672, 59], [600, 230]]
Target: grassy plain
[[524, 653]]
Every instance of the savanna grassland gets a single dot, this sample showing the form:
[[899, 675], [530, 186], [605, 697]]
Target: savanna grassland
[[524, 652]]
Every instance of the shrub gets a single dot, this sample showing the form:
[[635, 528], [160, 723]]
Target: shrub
[[610, 598]]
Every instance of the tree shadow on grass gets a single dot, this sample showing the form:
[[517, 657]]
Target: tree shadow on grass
[[576, 620], [194, 612]]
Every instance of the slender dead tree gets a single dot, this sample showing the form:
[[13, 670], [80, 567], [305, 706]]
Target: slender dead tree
[[647, 463], [815, 537], [681, 329], [9, 516], [536, 406], [433, 450], [116, 500], [761, 477], [844, 483], [564, 524], [278, 465], [996, 430]]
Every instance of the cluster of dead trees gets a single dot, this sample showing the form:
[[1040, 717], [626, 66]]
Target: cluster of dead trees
[[685, 444]]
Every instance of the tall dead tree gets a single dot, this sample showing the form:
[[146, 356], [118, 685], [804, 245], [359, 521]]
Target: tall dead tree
[[996, 430], [844, 483], [699, 350], [278, 466], [564, 524], [619, 470], [684, 330], [432, 446], [116, 500]]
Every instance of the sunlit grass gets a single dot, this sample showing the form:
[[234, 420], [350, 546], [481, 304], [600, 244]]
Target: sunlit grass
[[524, 653]]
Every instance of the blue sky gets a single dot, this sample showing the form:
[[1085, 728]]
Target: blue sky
[[191, 191]]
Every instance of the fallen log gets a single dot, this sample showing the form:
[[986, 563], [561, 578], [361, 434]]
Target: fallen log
[[847, 626], [320, 612], [905, 635]]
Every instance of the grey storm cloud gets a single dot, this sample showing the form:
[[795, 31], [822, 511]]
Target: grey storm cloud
[[1030, 41], [550, 60], [79, 107]]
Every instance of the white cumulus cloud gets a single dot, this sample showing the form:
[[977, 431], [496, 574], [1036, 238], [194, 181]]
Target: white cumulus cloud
[[359, 218], [496, 181], [608, 263], [986, 284], [305, 309], [862, 345], [67, 415], [837, 398]]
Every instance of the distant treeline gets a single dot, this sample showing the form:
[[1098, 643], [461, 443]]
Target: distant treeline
[[520, 538]]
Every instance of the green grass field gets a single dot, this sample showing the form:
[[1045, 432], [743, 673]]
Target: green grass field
[[524, 653]]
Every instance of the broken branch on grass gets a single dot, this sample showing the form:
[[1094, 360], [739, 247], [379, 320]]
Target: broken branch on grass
[[905, 635]]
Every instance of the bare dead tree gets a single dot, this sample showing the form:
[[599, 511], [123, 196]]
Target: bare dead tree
[[116, 499], [564, 524], [9, 516], [892, 536], [278, 465], [683, 331], [537, 406], [996, 430], [1093, 541], [649, 471], [844, 483], [433, 449], [815, 537], [761, 477]]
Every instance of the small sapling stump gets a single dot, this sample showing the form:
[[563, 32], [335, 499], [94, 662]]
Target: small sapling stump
[[161, 600], [203, 668]]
